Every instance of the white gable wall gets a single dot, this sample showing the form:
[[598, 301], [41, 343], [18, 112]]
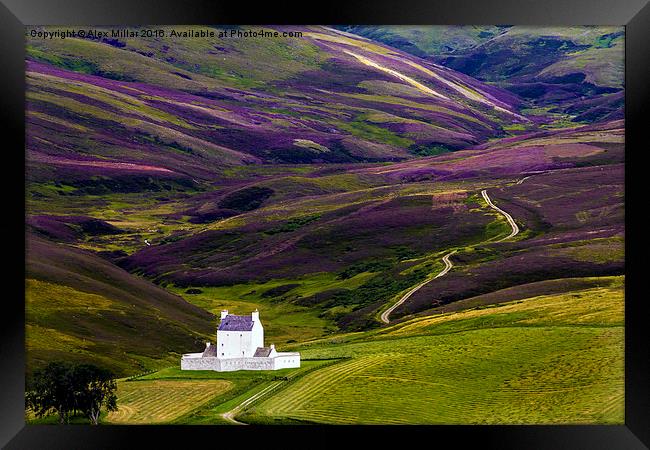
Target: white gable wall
[[257, 334]]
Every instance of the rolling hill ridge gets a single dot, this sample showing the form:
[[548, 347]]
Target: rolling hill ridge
[[572, 70], [141, 107]]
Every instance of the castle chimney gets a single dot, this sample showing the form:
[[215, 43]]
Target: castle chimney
[[224, 313], [207, 345], [255, 316], [272, 346]]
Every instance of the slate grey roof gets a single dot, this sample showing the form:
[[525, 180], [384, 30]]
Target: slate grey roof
[[210, 351], [262, 351], [236, 323]]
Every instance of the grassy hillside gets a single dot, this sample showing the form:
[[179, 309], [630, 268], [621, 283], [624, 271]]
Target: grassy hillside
[[425, 41], [82, 308], [548, 359]]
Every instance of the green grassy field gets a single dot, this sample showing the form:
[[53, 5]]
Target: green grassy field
[[548, 359], [159, 401], [242, 385], [174, 396], [284, 321]]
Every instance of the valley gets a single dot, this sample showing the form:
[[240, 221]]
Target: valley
[[440, 246]]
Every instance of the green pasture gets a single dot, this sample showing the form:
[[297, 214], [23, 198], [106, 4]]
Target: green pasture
[[554, 359], [283, 321]]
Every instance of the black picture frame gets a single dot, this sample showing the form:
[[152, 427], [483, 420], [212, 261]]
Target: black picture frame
[[15, 14]]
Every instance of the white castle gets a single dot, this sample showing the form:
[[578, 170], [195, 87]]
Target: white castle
[[240, 346]]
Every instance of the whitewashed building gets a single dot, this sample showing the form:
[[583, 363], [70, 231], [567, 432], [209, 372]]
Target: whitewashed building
[[240, 346]]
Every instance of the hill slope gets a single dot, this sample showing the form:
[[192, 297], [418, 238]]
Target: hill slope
[[575, 70], [541, 360], [140, 107], [81, 307]]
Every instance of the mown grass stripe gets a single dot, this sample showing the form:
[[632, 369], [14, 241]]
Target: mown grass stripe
[[321, 381], [161, 401]]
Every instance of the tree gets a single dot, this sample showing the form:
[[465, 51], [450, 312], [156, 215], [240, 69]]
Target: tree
[[51, 391], [94, 388], [64, 388]]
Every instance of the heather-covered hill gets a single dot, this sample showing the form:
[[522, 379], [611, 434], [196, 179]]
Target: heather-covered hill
[[551, 67], [141, 109], [81, 307], [326, 248], [575, 225], [395, 226], [527, 154], [566, 194]]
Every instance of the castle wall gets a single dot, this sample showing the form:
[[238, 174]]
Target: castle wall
[[257, 335], [286, 361], [191, 362], [234, 344], [235, 350], [194, 361]]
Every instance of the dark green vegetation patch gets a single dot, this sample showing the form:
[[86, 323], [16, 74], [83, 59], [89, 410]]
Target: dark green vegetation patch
[[246, 199]]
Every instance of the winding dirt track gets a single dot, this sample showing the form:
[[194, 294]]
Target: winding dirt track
[[511, 221], [448, 266], [445, 259]]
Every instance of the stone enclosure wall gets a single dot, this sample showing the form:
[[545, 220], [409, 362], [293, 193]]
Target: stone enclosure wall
[[194, 361]]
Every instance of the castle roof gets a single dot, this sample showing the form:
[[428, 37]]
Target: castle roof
[[236, 323], [210, 351], [262, 351]]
